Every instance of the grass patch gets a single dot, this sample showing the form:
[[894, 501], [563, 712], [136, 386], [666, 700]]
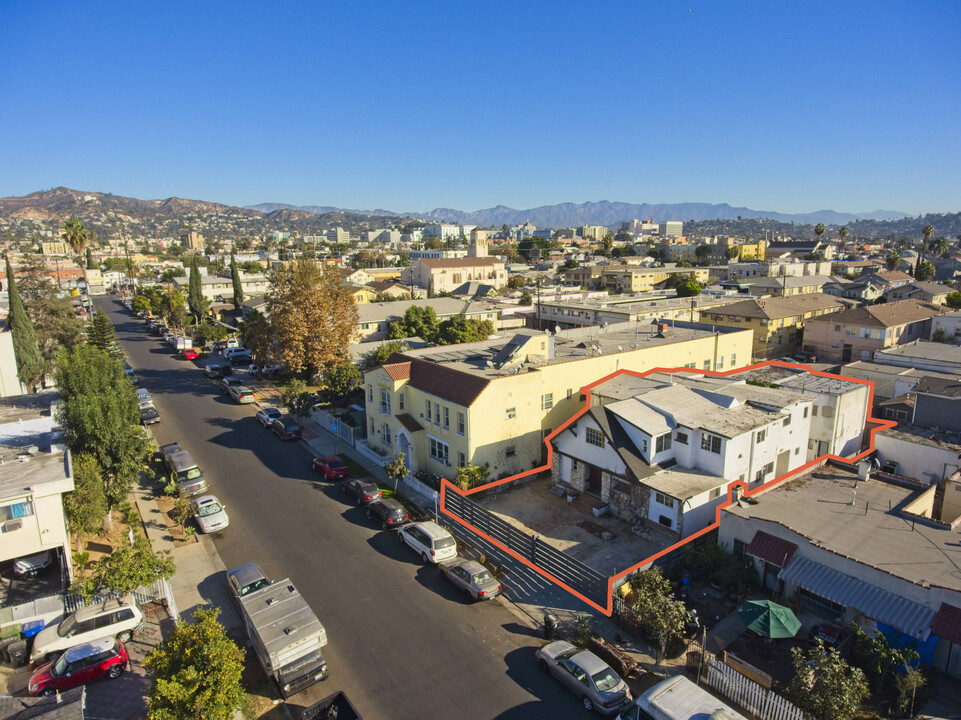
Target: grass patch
[[356, 469]]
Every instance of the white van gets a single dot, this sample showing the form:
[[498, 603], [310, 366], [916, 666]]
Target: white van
[[429, 540], [677, 698]]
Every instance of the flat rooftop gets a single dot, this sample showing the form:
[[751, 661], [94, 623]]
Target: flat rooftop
[[930, 437], [683, 483], [820, 384], [30, 455], [925, 350], [872, 531]]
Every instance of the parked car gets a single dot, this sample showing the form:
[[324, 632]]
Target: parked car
[[805, 357], [265, 416], [32, 565], [232, 350], [331, 467], [149, 415], [586, 675], [388, 512], [222, 345], [143, 398], [117, 618], [363, 491], [246, 579], [286, 428], [471, 577], [240, 358], [241, 394], [218, 370], [190, 353], [264, 370], [105, 657], [210, 513], [229, 382], [429, 540]]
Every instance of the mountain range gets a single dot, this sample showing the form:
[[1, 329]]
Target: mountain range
[[601, 213]]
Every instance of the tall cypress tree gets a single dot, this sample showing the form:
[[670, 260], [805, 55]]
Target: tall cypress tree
[[195, 295], [235, 279], [25, 349]]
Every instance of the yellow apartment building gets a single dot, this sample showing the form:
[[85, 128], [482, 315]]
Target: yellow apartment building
[[628, 278], [777, 322], [493, 402]]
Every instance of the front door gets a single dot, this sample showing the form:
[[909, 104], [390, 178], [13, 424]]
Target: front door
[[846, 354], [783, 460], [594, 482], [770, 576]]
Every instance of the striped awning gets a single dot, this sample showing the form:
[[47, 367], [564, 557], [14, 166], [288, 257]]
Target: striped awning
[[909, 617]]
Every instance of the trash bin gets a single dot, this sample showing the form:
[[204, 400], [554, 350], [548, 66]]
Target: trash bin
[[550, 626], [29, 629], [5, 643], [18, 653]]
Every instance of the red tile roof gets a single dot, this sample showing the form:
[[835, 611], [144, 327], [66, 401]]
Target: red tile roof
[[460, 388], [398, 370], [408, 421], [771, 549], [947, 623]]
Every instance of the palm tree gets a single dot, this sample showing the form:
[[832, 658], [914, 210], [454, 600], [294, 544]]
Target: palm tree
[[939, 246], [819, 230], [76, 236], [927, 232], [843, 233], [893, 260]]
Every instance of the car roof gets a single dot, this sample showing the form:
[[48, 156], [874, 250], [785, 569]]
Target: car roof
[[390, 503], [93, 647], [333, 458], [206, 500], [589, 662], [433, 529], [247, 573], [96, 609], [471, 566]]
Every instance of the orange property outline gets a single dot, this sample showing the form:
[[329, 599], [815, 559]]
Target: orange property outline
[[879, 424]]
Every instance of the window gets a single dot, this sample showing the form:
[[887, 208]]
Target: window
[[814, 411], [385, 402], [665, 500], [547, 401], [437, 413], [373, 429], [400, 401], [386, 433], [510, 413], [805, 412], [786, 421], [24, 508], [733, 359], [461, 460], [370, 393], [644, 445], [595, 437], [720, 363], [662, 443], [827, 411], [570, 393], [711, 443], [439, 450], [707, 364], [740, 548], [715, 493], [680, 437], [446, 417], [460, 423], [797, 451], [511, 451], [761, 435], [837, 328], [429, 406]]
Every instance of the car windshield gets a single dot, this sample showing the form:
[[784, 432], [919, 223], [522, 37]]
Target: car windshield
[[60, 666], [254, 586], [194, 473], [445, 542], [482, 577], [606, 680], [67, 626], [211, 509]]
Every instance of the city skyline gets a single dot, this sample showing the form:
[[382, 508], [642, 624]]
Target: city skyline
[[786, 109]]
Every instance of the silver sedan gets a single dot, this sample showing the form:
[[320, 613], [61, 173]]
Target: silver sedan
[[586, 675], [471, 577], [211, 515]]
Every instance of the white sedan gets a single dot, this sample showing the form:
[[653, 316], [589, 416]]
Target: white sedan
[[211, 515]]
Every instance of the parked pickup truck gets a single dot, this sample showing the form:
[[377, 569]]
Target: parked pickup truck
[[285, 634], [183, 470]]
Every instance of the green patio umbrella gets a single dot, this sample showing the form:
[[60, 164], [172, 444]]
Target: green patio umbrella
[[769, 619]]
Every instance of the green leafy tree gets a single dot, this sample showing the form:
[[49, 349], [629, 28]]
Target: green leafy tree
[[824, 686], [297, 399], [908, 683], [379, 355], [56, 326], [702, 251], [90, 262], [892, 260], [343, 379], [939, 246], [256, 336], [459, 329], [880, 655], [86, 506], [433, 243], [126, 568], [195, 294], [196, 672], [100, 416], [140, 304], [689, 288], [100, 334], [516, 282], [733, 252], [953, 300], [25, 349], [662, 617], [235, 282], [526, 298], [417, 322], [206, 333], [570, 264], [397, 469], [924, 271]]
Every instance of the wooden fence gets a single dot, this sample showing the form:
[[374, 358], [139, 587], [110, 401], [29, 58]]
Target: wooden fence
[[753, 697]]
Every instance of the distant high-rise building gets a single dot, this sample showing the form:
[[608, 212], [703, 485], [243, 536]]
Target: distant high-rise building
[[338, 235], [595, 232], [671, 228], [193, 241]]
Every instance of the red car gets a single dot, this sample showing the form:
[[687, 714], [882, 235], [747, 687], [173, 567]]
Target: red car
[[190, 353], [106, 657], [331, 467]]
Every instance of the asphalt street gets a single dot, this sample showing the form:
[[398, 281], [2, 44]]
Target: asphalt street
[[402, 642]]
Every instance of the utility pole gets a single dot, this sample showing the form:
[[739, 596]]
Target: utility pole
[[538, 303]]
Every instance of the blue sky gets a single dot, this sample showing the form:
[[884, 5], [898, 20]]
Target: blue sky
[[794, 107]]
